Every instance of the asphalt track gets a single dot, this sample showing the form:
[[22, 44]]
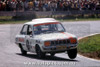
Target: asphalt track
[[10, 55]]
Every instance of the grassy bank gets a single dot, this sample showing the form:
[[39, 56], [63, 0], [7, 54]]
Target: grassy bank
[[62, 20], [80, 19], [13, 21], [90, 46]]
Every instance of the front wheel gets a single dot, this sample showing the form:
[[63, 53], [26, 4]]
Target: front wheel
[[40, 54], [52, 54], [72, 53]]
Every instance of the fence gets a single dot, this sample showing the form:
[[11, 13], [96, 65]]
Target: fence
[[48, 13]]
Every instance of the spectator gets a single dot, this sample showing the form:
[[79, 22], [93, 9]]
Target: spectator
[[36, 5], [45, 6], [60, 6], [30, 5], [51, 5], [40, 6], [0, 5], [3, 6], [98, 6], [65, 6], [7, 6], [13, 3], [26, 5], [18, 6], [22, 5]]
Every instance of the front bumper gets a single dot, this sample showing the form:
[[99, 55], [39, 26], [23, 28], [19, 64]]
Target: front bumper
[[59, 48]]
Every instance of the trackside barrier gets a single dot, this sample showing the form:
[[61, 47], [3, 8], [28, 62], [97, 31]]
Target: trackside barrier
[[48, 13]]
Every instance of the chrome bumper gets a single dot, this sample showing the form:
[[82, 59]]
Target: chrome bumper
[[59, 48]]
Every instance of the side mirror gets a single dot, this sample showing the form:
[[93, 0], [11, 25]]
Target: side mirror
[[30, 35]]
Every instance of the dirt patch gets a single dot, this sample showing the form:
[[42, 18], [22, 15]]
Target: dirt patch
[[95, 55]]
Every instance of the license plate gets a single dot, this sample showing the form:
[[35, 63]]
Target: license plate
[[61, 47]]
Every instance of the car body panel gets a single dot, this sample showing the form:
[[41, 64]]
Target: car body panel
[[55, 36]]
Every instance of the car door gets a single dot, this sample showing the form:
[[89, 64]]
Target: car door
[[23, 35], [31, 39], [28, 38]]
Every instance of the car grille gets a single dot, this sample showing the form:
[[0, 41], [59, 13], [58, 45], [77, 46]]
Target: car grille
[[60, 42]]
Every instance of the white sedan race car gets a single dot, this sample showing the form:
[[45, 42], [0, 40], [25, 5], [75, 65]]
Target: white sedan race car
[[46, 35]]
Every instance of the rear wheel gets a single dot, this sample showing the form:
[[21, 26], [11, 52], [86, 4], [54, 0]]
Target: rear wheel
[[22, 50], [72, 53], [40, 54]]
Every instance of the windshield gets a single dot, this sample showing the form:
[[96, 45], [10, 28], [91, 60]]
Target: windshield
[[48, 28]]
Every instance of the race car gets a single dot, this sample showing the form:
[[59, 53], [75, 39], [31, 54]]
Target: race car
[[46, 36]]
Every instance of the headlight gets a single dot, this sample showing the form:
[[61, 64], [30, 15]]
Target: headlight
[[47, 43], [73, 40]]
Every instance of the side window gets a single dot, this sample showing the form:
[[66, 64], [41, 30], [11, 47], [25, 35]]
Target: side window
[[24, 30], [29, 31]]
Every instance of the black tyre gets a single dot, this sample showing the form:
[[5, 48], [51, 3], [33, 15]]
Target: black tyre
[[40, 54], [72, 53], [52, 54], [22, 50]]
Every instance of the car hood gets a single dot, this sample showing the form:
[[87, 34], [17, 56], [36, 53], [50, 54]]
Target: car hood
[[54, 36]]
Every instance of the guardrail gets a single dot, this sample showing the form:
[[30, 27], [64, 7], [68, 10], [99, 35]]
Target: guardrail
[[48, 13]]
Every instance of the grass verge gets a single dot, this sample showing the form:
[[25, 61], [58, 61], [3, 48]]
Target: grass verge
[[90, 46], [10, 21], [80, 19], [13, 21]]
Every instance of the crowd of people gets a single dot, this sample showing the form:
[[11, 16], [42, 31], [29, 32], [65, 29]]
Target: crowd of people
[[48, 5]]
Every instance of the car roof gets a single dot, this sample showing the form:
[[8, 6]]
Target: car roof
[[41, 20]]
